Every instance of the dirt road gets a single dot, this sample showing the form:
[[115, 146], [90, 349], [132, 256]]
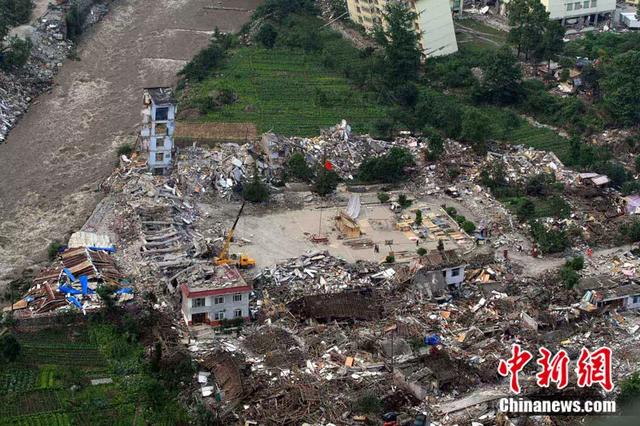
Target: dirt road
[[58, 154]]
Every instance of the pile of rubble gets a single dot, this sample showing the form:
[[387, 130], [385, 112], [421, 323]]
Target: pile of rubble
[[319, 273], [228, 165], [50, 49], [72, 283]]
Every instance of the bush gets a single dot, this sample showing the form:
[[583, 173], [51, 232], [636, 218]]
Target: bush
[[460, 219], [368, 403], [630, 389], [125, 149], [54, 249], [476, 129], [326, 181], [548, 240], [9, 348], [526, 210], [17, 54], [298, 168], [255, 191], [383, 197], [421, 251], [418, 220], [468, 227], [267, 35], [630, 187], [631, 231], [106, 294], [577, 263], [278, 10], [16, 12], [569, 277], [74, 19], [209, 59], [390, 258], [404, 201], [537, 185], [386, 168], [451, 211]]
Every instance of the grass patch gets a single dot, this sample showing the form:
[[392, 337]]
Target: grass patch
[[286, 91], [540, 138]]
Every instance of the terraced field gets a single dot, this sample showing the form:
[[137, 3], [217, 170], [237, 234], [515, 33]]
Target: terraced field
[[540, 138], [315, 98], [50, 383]]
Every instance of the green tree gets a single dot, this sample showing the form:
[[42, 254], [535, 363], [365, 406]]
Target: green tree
[[9, 347], [526, 210], [569, 277], [501, 84], [383, 197], [418, 219], [552, 43], [297, 167], [527, 19], [209, 59], [73, 21], [421, 251], [326, 181], [631, 231], [549, 240], [278, 10], [436, 147], [468, 227], [630, 389], [16, 12], [387, 168], [576, 263], [16, 54], [400, 42], [476, 127], [255, 191], [404, 201], [106, 295], [621, 88], [267, 35]]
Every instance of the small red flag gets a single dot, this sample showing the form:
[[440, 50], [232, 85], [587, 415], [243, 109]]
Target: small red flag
[[328, 165]]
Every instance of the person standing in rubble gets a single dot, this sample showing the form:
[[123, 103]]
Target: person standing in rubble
[[376, 249]]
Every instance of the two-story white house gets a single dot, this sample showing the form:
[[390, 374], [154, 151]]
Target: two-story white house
[[221, 294], [158, 127]]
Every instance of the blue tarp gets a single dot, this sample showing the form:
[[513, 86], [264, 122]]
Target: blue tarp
[[432, 340], [126, 290], [68, 290], [109, 249], [85, 285], [74, 301], [69, 274]]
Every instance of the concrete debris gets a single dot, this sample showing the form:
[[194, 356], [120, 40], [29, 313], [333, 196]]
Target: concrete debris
[[50, 49]]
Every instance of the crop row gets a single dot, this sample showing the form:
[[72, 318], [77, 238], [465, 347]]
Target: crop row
[[17, 380], [39, 401], [47, 419]]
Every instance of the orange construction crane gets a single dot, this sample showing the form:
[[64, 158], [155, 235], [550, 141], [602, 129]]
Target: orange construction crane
[[241, 261]]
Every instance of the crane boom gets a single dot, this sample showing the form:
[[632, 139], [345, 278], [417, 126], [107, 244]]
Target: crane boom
[[224, 253]]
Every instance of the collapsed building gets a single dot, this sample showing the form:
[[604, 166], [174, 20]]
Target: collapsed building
[[84, 266]]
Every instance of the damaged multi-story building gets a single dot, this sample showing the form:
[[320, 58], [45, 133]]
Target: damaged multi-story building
[[434, 22], [158, 127]]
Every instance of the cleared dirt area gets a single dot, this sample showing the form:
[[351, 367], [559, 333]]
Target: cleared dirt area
[[56, 157]]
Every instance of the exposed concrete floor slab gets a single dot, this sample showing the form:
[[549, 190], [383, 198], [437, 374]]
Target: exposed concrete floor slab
[[57, 155]]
